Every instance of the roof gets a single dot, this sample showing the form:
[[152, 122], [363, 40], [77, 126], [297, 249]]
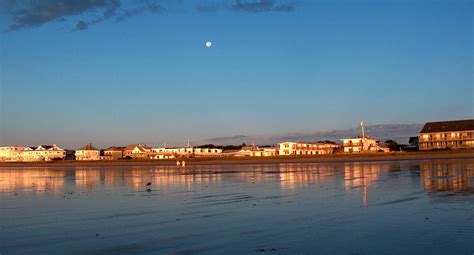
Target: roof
[[88, 147], [448, 126], [115, 148], [133, 146]]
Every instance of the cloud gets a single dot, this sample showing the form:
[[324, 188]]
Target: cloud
[[250, 6], [263, 6], [398, 132], [34, 13], [225, 139], [144, 7], [30, 13]]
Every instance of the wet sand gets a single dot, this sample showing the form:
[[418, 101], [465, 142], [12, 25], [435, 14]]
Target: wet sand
[[374, 157], [395, 207]]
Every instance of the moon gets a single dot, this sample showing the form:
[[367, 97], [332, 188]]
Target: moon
[[208, 44]]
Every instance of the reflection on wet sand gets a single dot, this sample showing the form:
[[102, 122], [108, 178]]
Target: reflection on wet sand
[[435, 175], [240, 209], [442, 176]]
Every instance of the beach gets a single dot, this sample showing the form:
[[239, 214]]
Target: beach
[[362, 157]]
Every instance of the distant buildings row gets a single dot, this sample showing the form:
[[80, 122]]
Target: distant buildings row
[[434, 135]]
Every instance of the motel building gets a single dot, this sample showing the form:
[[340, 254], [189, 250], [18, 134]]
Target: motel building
[[297, 148], [457, 134], [88, 152]]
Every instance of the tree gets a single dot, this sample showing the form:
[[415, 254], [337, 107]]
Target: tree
[[392, 145]]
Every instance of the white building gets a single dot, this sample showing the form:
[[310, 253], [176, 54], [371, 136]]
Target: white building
[[31, 153], [10, 153], [297, 148], [88, 152], [186, 152], [363, 143], [360, 144]]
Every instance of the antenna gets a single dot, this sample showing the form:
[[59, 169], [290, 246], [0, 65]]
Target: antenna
[[189, 143], [362, 128]]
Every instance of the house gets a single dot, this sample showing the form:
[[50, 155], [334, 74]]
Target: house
[[298, 148], [358, 144], [114, 153], [137, 151], [457, 134], [87, 152]]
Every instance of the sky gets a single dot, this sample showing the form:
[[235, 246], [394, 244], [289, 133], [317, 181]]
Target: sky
[[116, 72]]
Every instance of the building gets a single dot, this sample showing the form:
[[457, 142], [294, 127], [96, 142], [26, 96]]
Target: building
[[363, 143], [457, 134], [32, 153], [264, 152], [88, 152], [297, 148], [10, 153], [358, 144], [114, 153], [186, 152], [137, 151]]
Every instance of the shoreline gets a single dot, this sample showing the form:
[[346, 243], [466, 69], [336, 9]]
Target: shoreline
[[330, 158]]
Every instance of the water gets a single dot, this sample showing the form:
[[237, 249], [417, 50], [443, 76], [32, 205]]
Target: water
[[408, 207]]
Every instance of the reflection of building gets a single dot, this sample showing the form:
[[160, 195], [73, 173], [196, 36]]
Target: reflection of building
[[32, 180], [39, 153], [297, 148], [87, 152], [447, 176], [457, 134]]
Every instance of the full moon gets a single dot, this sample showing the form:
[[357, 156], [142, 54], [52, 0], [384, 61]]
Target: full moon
[[208, 44]]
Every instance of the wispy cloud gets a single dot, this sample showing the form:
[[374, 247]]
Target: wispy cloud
[[250, 6], [398, 132], [31, 13], [263, 6], [35, 13]]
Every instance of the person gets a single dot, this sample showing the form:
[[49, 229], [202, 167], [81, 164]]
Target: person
[[178, 164], [183, 163]]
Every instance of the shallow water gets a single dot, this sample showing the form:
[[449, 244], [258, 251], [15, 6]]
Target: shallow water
[[407, 207]]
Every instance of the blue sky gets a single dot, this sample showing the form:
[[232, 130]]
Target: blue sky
[[319, 65]]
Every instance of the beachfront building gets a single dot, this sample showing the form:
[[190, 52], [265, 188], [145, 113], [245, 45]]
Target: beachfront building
[[298, 148], [88, 152], [10, 153], [458, 134], [42, 153], [264, 152], [358, 144], [186, 152], [31, 153], [137, 151], [113, 153]]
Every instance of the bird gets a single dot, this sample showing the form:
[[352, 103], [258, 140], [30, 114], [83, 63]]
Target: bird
[[148, 187]]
